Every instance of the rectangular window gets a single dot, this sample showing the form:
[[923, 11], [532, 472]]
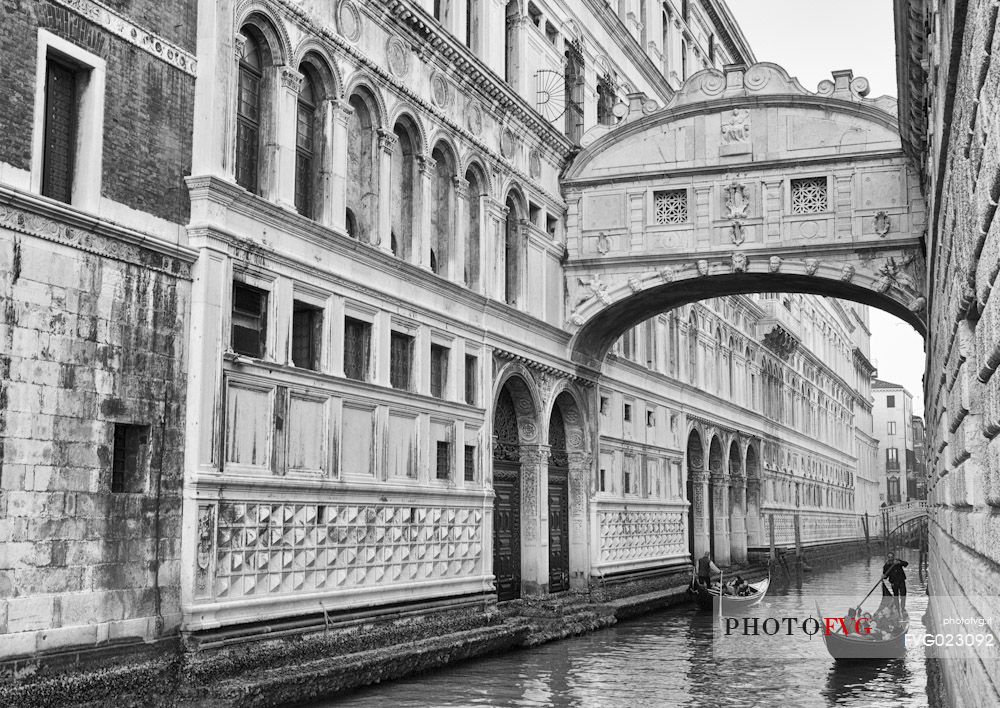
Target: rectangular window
[[307, 333], [471, 374], [439, 370], [894, 496], [443, 459], [304, 150], [628, 479], [601, 476], [892, 427], [890, 401], [61, 116], [604, 405], [400, 360], [809, 195], [627, 413], [247, 126], [249, 333], [650, 419], [470, 463], [670, 206], [357, 348], [128, 463], [892, 458]]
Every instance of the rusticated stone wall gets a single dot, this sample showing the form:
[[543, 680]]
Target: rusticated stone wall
[[962, 386], [91, 336]]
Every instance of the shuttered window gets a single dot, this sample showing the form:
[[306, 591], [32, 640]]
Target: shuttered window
[[60, 131], [357, 348], [400, 360], [249, 320]]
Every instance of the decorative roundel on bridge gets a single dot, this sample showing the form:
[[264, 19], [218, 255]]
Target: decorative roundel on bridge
[[474, 118], [397, 57], [508, 143], [528, 430], [349, 20], [575, 440], [534, 164], [440, 90]]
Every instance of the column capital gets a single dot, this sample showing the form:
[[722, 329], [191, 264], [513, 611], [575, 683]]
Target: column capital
[[386, 140], [291, 79], [461, 187], [239, 44], [342, 110], [426, 165], [535, 454], [579, 460]]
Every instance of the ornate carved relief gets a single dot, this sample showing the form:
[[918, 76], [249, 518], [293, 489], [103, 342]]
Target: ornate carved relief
[[474, 118], [206, 549], [812, 265], [702, 266], [882, 223], [894, 274], [397, 57], [740, 263], [847, 273], [736, 127], [349, 20], [638, 535], [774, 264], [508, 143], [440, 90]]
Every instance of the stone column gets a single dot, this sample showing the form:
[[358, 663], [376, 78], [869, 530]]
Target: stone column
[[738, 541], [281, 153], [456, 270], [581, 471], [753, 522], [493, 243], [699, 502], [214, 134], [341, 112], [534, 519], [323, 209], [386, 141], [720, 503], [422, 238]]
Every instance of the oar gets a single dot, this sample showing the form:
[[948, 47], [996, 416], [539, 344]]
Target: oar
[[869, 593]]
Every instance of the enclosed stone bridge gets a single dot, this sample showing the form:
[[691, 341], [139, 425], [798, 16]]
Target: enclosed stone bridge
[[744, 182]]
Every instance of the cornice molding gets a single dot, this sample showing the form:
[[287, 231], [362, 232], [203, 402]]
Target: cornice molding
[[60, 223]]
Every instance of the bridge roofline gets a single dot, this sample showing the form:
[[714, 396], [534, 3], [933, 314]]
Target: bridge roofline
[[762, 85]]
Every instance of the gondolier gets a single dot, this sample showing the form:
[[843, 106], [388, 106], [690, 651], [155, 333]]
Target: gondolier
[[706, 568], [893, 572]]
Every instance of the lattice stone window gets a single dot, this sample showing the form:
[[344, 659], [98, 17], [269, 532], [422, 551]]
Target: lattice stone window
[[671, 206], [809, 195]]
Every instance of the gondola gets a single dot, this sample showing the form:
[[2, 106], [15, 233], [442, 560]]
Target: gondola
[[850, 647], [731, 603]]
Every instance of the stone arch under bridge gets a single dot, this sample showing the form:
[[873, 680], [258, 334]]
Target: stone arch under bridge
[[745, 182]]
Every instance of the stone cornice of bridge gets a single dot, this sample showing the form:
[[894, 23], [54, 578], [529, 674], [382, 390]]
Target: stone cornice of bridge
[[632, 263], [571, 185]]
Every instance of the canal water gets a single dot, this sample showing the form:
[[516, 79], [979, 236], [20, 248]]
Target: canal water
[[667, 659]]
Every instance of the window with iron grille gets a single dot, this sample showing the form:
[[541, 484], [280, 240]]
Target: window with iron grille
[[439, 370], [400, 360], [357, 348], [809, 195], [443, 459], [128, 459], [305, 142], [307, 333], [670, 206], [605, 100], [248, 116], [471, 373], [892, 427], [470, 463], [573, 80], [61, 116], [890, 401], [249, 332]]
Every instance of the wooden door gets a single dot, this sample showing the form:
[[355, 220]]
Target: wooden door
[[507, 530], [558, 529]]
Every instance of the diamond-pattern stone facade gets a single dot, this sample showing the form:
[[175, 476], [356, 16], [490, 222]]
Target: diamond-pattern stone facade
[[638, 535], [276, 549], [671, 206]]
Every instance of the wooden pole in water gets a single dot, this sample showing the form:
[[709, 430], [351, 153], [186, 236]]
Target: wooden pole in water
[[770, 526], [867, 537]]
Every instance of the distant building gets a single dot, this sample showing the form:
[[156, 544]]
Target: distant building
[[893, 412], [916, 476]]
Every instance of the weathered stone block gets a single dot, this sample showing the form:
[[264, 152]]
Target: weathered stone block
[[29, 613]]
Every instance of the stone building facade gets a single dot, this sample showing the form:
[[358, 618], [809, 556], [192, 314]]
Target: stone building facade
[[893, 418], [949, 98], [96, 114], [343, 334]]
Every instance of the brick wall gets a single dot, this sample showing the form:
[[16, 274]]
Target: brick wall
[[86, 341], [963, 387], [149, 104]]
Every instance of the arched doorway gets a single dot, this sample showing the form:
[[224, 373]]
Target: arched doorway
[[753, 520], [507, 499], [558, 502], [697, 541]]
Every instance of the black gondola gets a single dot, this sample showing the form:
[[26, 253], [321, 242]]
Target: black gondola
[[867, 647], [730, 603]]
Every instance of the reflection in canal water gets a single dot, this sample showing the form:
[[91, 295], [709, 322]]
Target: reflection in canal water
[[666, 659]]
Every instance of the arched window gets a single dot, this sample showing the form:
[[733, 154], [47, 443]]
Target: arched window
[[693, 348], [684, 60], [402, 178], [249, 114], [674, 345], [362, 172], [306, 146], [731, 365], [665, 43], [511, 253], [475, 192], [442, 209], [717, 374]]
